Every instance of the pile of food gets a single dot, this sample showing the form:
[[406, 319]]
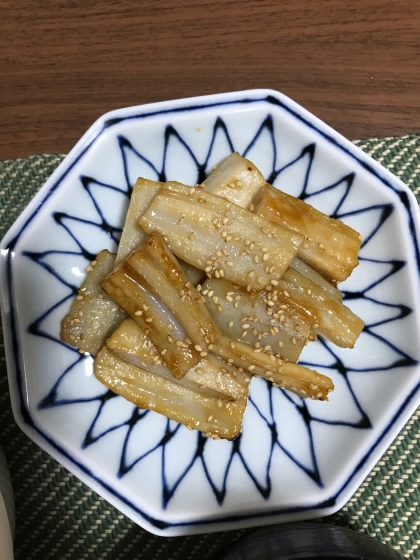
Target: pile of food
[[211, 286]]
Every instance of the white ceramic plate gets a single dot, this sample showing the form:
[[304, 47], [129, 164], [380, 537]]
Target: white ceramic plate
[[295, 459]]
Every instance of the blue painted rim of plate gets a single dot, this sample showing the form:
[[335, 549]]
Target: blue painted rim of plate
[[21, 412]]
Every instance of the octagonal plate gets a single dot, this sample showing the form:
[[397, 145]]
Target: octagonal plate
[[295, 459]]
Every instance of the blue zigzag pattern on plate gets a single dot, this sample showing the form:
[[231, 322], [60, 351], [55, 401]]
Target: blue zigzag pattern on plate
[[267, 417]]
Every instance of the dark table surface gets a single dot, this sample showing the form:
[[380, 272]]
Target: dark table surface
[[64, 63]]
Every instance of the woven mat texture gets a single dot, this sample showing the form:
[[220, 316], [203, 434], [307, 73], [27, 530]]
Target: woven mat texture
[[58, 517]]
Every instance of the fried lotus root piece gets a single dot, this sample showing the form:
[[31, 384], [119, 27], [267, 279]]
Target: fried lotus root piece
[[133, 236], [330, 318], [214, 417], [317, 278], [154, 290], [93, 315], [235, 178], [220, 237], [211, 376], [154, 319], [303, 381], [256, 320], [330, 246], [159, 271]]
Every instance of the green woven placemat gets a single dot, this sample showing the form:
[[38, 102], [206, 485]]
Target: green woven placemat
[[58, 517]]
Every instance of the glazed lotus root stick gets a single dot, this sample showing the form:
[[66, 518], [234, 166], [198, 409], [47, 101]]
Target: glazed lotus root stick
[[93, 315], [239, 180], [216, 418], [330, 318], [330, 246], [211, 376], [219, 237], [317, 278], [257, 320], [156, 268], [173, 345], [235, 178], [143, 193], [133, 236], [299, 379]]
